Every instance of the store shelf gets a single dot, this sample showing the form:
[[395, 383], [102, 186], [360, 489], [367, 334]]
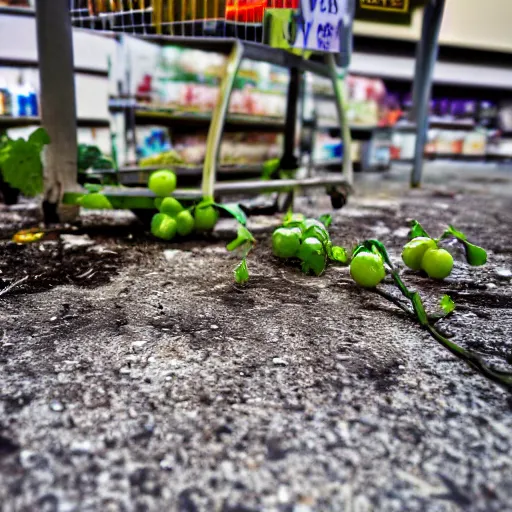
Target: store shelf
[[200, 120], [20, 122], [441, 125], [17, 11]]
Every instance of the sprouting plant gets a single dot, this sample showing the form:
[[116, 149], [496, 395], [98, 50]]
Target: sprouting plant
[[427, 322], [20, 162]]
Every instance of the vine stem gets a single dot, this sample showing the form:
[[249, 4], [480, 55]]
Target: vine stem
[[502, 378]]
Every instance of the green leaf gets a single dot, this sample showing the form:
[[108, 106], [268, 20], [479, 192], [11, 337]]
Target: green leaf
[[39, 138], [269, 168], [325, 219], [316, 232], [447, 304], [475, 255], [22, 167], [293, 219], [338, 254], [244, 236], [234, 210], [316, 263], [241, 272], [459, 235], [417, 230]]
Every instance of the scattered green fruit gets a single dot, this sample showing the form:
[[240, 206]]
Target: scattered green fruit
[[162, 183], [437, 263], [163, 226], [205, 217], [170, 206], [185, 223], [367, 269], [414, 250], [286, 242]]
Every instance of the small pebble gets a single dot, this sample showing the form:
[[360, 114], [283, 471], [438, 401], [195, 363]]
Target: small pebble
[[56, 406], [214, 327], [137, 346], [503, 272], [279, 362]]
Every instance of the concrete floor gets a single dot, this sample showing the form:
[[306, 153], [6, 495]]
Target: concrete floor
[[135, 377]]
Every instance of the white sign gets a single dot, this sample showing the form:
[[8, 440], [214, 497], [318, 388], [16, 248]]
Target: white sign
[[322, 25]]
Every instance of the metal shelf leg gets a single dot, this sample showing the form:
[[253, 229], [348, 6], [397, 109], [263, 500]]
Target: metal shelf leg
[[218, 119], [58, 109], [341, 104], [426, 56]]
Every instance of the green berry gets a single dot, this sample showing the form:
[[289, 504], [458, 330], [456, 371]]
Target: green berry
[[205, 217], [367, 269], [170, 206], [163, 226], [285, 242], [309, 247], [437, 263], [414, 250], [162, 183], [185, 222]]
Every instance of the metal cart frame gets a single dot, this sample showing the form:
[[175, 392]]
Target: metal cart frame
[[54, 36]]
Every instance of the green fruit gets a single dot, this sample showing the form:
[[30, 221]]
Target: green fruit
[[95, 201], [205, 217], [170, 206], [367, 269], [185, 222], [309, 247], [414, 250], [162, 183], [437, 263], [163, 226], [285, 242]]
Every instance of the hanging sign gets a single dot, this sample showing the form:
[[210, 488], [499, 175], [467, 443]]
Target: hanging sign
[[385, 5], [321, 25]]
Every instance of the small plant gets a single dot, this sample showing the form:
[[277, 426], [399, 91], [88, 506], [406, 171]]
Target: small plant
[[417, 309], [20, 162], [423, 252], [307, 240]]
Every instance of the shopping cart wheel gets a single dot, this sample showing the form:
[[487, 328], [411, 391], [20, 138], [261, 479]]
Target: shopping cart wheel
[[144, 216], [10, 195], [339, 195]]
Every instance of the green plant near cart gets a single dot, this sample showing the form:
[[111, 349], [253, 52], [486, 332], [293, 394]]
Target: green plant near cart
[[21, 164]]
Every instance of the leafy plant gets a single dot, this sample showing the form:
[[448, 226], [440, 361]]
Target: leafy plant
[[20, 162], [417, 311]]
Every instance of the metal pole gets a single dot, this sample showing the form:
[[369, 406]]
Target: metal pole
[[219, 114], [58, 109], [426, 56], [341, 109]]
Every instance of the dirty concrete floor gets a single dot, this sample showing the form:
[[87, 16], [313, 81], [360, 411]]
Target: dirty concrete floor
[[135, 377]]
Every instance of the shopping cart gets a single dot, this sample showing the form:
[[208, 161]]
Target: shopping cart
[[301, 36]]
